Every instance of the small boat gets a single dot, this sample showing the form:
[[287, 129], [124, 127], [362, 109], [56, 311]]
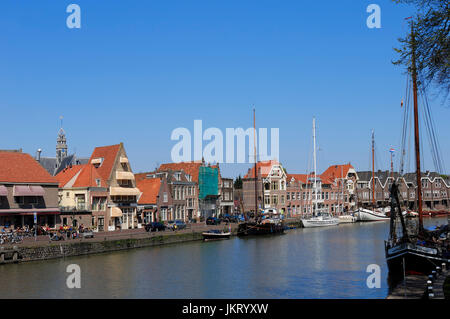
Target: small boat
[[366, 215], [347, 219], [321, 220], [215, 235], [409, 214]]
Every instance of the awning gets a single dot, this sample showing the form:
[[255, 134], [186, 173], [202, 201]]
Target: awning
[[29, 211], [25, 190], [123, 160], [3, 190], [124, 191], [124, 175], [116, 212]]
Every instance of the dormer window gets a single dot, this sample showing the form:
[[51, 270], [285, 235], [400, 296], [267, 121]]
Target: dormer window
[[97, 162]]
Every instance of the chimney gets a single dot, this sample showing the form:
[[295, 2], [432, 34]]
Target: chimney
[[38, 155]]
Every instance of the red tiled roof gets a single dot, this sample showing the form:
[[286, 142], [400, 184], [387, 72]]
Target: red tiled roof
[[16, 167], [141, 176], [190, 168], [67, 174], [150, 190], [335, 171], [262, 167], [88, 177], [297, 177], [108, 153]]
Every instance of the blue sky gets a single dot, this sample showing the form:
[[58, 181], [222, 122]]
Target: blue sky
[[136, 70]]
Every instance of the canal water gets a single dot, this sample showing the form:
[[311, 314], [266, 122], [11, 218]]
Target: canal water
[[326, 262]]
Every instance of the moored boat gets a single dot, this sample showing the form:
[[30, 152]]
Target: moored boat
[[320, 216], [347, 219], [215, 235], [366, 215], [410, 247]]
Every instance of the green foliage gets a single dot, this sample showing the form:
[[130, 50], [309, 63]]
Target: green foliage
[[238, 183], [432, 43]]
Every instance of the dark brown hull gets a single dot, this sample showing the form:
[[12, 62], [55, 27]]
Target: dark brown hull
[[253, 228]]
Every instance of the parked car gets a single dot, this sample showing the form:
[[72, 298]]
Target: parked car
[[170, 224], [212, 221], [178, 224], [155, 226], [88, 233], [230, 219]]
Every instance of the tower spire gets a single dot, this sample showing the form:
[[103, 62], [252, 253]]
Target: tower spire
[[61, 146]]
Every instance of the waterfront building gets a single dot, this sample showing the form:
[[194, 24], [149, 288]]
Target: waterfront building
[[339, 188], [150, 188], [172, 194], [83, 197], [54, 165], [271, 187], [26, 188], [226, 193], [435, 190], [205, 195], [296, 196], [112, 164]]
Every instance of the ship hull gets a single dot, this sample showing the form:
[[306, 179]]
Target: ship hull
[[365, 215], [252, 228], [207, 236], [309, 223], [409, 258]]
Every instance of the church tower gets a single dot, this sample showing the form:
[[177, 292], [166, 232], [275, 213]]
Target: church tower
[[61, 146]]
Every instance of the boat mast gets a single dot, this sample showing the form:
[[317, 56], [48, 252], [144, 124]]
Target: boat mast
[[315, 168], [373, 170], [256, 176], [416, 128]]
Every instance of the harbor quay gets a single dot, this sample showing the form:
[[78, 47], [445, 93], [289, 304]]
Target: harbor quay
[[42, 248]]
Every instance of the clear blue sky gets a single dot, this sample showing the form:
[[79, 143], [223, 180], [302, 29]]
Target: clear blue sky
[[136, 70]]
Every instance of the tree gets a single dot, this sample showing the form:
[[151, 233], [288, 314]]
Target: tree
[[238, 183], [432, 42]]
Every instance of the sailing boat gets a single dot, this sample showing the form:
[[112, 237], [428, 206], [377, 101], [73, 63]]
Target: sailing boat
[[320, 217], [414, 249], [367, 215], [268, 222]]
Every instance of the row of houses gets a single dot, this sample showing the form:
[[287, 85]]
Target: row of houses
[[103, 193], [341, 189]]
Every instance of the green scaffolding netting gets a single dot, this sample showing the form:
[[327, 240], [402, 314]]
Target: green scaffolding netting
[[208, 180]]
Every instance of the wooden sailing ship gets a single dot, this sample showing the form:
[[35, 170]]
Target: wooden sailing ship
[[411, 249], [260, 224]]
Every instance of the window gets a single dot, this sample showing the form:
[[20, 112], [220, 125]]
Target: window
[[165, 199], [282, 199], [19, 200], [97, 181], [274, 199]]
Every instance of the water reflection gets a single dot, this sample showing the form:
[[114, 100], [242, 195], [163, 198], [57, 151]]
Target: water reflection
[[304, 263]]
